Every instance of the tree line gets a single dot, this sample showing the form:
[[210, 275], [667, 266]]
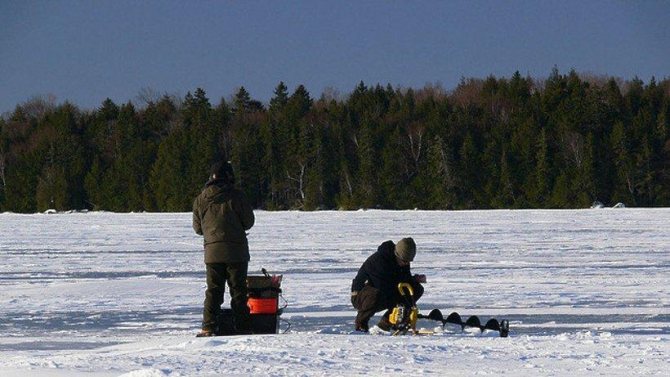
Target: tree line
[[517, 142]]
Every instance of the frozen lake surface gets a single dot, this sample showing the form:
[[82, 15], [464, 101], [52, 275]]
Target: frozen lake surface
[[587, 292]]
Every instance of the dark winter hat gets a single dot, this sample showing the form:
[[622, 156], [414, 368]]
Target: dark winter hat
[[405, 249], [223, 171]]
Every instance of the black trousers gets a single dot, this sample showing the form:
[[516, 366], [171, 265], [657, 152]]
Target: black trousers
[[218, 274], [371, 300]]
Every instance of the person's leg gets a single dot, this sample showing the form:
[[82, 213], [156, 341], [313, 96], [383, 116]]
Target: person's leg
[[368, 301], [237, 281], [418, 291], [384, 323], [216, 281]]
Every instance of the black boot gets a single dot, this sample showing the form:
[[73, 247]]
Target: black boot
[[384, 323]]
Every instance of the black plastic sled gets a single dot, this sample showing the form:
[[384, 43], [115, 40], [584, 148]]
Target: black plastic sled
[[263, 302]]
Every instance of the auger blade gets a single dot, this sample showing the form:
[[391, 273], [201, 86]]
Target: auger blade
[[454, 318], [473, 321], [492, 324], [436, 315]]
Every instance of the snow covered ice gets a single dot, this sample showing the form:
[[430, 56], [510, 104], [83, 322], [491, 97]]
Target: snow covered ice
[[102, 294]]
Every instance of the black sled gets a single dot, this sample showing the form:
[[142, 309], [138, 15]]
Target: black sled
[[263, 302]]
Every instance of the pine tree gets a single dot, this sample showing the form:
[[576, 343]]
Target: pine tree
[[505, 197], [442, 176], [623, 191], [542, 172], [280, 99], [393, 174], [585, 180], [170, 189], [272, 158], [366, 177], [316, 175], [201, 141], [4, 145], [242, 101], [645, 188], [92, 185], [297, 134], [561, 193], [495, 142], [63, 159], [247, 149], [52, 189], [468, 169]]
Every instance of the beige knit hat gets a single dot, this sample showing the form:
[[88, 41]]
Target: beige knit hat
[[405, 249]]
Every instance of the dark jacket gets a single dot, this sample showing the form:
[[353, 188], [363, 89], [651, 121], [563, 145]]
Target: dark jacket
[[381, 270], [222, 215]]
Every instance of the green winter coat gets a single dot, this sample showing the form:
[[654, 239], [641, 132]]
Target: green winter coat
[[222, 215]]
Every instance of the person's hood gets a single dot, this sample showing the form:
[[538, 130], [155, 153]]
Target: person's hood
[[215, 188]]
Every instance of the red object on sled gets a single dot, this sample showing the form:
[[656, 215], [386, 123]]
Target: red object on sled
[[262, 305]]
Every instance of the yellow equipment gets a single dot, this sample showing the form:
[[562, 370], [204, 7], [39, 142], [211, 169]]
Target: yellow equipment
[[404, 316]]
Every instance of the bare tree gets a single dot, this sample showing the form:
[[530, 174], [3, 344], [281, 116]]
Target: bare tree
[[467, 92], [574, 143], [300, 179], [415, 133], [147, 96], [39, 106], [349, 186], [330, 94], [434, 91]]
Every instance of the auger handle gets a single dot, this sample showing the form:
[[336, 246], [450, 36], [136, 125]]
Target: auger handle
[[407, 286]]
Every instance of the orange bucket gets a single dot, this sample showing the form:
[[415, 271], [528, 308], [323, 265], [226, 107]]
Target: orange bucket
[[262, 305]]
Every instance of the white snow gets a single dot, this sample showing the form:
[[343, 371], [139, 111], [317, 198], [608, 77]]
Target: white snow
[[587, 293]]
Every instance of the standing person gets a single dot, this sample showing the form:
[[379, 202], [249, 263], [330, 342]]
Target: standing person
[[375, 287], [222, 215]]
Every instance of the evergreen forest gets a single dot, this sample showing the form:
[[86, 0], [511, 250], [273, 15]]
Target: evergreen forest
[[512, 142]]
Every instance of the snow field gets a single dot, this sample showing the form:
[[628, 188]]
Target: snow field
[[104, 294]]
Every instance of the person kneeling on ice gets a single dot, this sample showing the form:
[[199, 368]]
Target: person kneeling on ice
[[222, 215], [375, 287]]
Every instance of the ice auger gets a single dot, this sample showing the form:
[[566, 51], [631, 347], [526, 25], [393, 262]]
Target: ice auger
[[473, 321], [404, 316]]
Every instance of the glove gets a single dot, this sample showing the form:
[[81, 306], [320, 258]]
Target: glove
[[420, 278]]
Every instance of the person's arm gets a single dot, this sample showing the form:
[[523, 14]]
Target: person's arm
[[197, 227], [245, 211], [406, 275], [359, 281]]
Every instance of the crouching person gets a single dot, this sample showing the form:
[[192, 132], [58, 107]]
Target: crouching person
[[375, 287]]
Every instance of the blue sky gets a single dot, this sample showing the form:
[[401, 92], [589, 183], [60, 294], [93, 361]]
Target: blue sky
[[86, 51]]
